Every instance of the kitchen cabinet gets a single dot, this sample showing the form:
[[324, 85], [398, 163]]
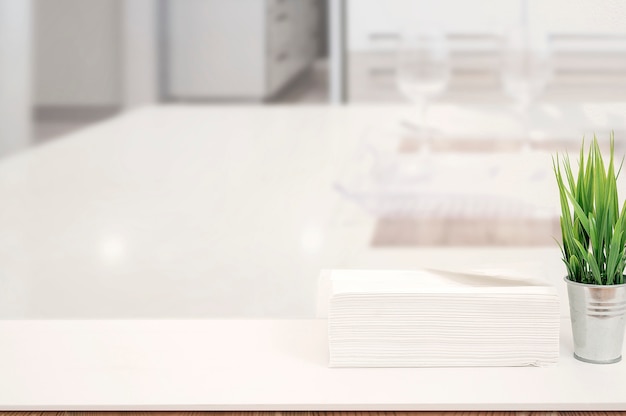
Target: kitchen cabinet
[[238, 49]]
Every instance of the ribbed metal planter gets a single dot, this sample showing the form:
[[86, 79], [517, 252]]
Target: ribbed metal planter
[[598, 315]]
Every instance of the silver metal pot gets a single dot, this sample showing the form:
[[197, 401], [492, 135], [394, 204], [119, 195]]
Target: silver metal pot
[[598, 315]]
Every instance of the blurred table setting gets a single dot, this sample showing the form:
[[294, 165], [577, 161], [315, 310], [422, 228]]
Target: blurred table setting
[[474, 178], [172, 194]]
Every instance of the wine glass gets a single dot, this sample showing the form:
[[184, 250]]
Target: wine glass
[[526, 69], [423, 72]]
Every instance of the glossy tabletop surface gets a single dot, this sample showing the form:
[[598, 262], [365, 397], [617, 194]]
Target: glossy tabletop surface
[[204, 212]]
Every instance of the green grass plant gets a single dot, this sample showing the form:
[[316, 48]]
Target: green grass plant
[[593, 226]]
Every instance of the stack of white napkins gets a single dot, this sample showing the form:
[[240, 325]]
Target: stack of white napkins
[[428, 318]]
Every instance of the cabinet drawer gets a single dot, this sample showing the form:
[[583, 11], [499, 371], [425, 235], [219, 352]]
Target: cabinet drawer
[[376, 25], [279, 32], [372, 77]]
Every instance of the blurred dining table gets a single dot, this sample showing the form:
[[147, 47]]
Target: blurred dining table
[[231, 211]]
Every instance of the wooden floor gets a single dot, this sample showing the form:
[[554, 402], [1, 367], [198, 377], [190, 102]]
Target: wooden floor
[[312, 413]]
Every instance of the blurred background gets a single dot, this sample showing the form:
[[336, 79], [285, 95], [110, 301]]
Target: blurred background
[[147, 147], [65, 64]]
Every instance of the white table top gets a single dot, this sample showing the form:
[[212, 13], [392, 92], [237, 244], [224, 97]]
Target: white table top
[[263, 365], [190, 212], [220, 213]]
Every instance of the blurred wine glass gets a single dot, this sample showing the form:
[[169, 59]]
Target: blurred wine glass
[[423, 72], [526, 69]]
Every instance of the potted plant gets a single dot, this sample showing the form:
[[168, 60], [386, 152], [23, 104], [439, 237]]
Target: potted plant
[[593, 229]]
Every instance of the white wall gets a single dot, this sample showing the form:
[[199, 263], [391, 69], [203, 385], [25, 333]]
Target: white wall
[[366, 18], [78, 52], [15, 74], [583, 16]]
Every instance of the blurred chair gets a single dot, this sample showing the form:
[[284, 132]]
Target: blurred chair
[[587, 67], [475, 67]]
